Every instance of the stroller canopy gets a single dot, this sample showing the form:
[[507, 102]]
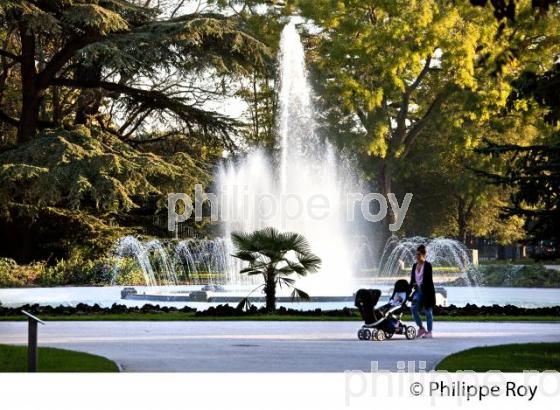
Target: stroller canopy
[[365, 301], [367, 297], [401, 286]]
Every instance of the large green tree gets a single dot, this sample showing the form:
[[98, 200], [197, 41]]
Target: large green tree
[[105, 106], [531, 168], [528, 168], [117, 50], [387, 68], [387, 71]]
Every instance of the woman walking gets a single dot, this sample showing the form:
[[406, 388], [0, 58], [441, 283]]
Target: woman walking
[[425, 294]]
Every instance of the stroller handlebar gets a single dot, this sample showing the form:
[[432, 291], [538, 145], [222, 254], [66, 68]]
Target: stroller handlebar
[[411, 295]]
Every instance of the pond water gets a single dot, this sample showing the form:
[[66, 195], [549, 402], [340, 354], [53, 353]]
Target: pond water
[[106, 296]]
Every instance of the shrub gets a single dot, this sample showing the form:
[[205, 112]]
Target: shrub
[[519, 276], [77, 270], [50, 277], [14, 275], [129, 273]]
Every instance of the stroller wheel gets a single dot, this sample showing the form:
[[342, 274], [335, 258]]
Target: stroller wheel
[[367, 334], [374, 335], [389, 335], [410, 332], [381, 335], [361, 334]]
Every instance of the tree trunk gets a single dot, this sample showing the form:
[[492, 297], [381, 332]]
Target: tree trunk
[[89, 100], [385, 186], [29, 116], [381, 232], [464, 213], [57, 106], [462, 232], [270, 291]]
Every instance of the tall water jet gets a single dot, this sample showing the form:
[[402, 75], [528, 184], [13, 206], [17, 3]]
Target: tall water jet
[[296, 119], [278, 191]]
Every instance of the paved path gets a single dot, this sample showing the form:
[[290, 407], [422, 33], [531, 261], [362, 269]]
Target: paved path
[[257, 346]]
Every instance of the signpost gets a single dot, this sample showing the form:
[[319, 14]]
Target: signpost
[[32, 352]]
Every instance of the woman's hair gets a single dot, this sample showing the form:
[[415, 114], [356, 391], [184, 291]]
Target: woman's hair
[[421, 249]]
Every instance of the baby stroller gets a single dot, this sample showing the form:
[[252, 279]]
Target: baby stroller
[[383, 323]]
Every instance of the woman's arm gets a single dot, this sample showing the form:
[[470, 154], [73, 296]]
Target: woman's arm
[[428, 276]]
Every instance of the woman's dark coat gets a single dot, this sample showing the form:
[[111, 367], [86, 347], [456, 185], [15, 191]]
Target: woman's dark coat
[[428, 289]]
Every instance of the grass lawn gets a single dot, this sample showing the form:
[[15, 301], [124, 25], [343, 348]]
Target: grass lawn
[[505, 358], [14, 359], [174, 316]]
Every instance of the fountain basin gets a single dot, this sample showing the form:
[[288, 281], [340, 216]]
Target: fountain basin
[[224, 297], [203, 296], [109, 295]]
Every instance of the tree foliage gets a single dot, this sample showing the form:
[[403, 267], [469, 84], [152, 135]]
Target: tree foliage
[[532, 169], [119, 51], [534, 173], [84, 185], [385, 70], [413, 88], [89, 170], [105, 107]]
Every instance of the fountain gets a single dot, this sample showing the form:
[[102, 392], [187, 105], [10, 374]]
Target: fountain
[[130, 246], [264, 189], [441, 252], [192, 261], [305, 169], [267, 190], [205, 261]]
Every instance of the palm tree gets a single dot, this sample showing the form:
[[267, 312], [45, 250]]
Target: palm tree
[[275, 256]]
